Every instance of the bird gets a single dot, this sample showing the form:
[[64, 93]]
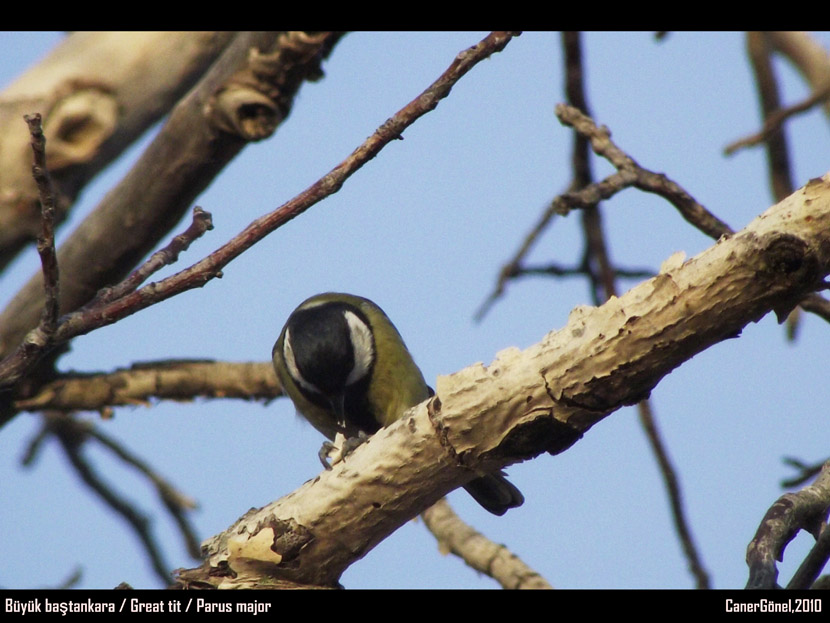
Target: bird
[[346, 368]]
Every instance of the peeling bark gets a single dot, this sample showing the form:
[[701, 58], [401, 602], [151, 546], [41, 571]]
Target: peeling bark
[[526, 403]]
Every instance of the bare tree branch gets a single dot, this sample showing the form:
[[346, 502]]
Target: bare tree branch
[[672, 482], [39, 339], [588, 196], [189, 151], [201, 223], [46, 240], [528, 402], [775, 141], [71, 435], [21, 361], [805, 471], [177, 503], [97, 92], [631, 174], [792, 512], [88, 319], [143, 382], [775, 121], [806, 54], [479, 552]]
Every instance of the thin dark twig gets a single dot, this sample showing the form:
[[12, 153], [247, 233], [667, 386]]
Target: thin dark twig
[[810, 568], [42, 337], [201, 223], [71, 435], [775, 120], [630, 173], [672, 482], [760, 51], [775, 140], [596, 261], [556, 270], [177, 503], [46, 238], [806, 471]]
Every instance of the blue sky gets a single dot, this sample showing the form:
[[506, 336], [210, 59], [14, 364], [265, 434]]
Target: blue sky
[[423, 230]]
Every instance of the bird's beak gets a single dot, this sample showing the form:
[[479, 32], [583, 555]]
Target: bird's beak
[[338, 405]]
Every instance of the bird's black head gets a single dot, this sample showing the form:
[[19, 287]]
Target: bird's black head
[[329, 352]]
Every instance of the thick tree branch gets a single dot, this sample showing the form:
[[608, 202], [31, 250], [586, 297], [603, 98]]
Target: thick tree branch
[[106, 313], [542, 399], [163, 380], [604, 282], [792, 512], [189, 151], [97, 92]]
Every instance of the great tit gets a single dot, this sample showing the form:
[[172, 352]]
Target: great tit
[[347, 370]]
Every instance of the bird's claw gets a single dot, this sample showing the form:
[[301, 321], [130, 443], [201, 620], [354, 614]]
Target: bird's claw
[[351, 444], [340, 448], [324, 452]]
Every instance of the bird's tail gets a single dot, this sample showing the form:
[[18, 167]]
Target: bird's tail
[[495, 493]]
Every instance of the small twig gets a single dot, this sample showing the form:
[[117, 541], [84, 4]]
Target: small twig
[[681, 523], [556, 270], [42, 337], [71, 435], [806, 509], [479, 552], [202, 222], [632, 174], [177, 503], [596, 261], [776, 119], [806, 471], [46, 239], [72, 580]]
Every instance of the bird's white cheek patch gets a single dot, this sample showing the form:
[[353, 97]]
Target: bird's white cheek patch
[[363, 346]]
